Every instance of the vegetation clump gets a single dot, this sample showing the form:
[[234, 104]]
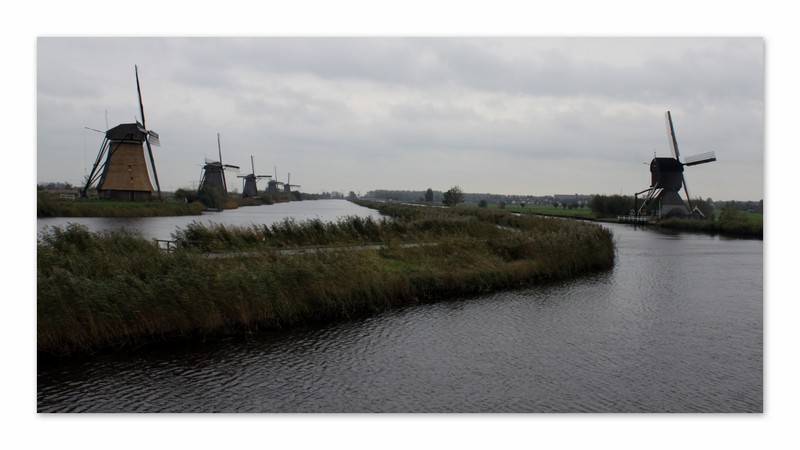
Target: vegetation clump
[[453, 196], [115, 289], [730, 221]]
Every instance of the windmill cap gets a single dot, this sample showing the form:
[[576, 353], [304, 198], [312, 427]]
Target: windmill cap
[[126, 132], [666, 165]]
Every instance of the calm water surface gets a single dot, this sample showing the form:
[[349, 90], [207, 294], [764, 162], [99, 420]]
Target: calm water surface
[[676, 326]]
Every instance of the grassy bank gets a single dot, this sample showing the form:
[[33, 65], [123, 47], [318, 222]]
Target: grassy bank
[[116, 289], [51, 206], [729, 221], [743, 226], [545, 210]]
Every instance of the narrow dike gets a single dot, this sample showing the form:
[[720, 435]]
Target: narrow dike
[[116, 290]]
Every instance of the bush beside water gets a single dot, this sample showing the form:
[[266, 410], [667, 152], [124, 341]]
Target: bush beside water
[[730, 222], [115, 289]]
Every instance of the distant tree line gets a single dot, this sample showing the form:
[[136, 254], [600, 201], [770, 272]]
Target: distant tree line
[[601, 205], [55, 186], [430, 195], [745, 206]]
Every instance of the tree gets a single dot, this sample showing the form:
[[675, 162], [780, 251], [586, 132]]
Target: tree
[[453, 196], [483, 203], [705, 207], [352, 196], [185, 195], [609, 206], [429, 195], [212, 198]]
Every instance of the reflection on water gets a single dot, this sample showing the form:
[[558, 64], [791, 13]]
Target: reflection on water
[[163, 227], [675, 326]]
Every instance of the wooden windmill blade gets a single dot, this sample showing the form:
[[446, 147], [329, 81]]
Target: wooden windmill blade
[[97, 168], [153, 138], [221, 166], [674, 143], [148, 135], [701, 158], [253, 168]]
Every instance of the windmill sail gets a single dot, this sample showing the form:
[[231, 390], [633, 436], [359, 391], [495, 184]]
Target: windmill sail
[[224, 183], [702, 158], [673, 142], [152, 136], [147, 135]]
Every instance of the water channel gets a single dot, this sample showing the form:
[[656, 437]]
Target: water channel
[[675, 326]]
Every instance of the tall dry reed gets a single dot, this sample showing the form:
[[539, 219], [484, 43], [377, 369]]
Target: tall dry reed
[[117, 289]]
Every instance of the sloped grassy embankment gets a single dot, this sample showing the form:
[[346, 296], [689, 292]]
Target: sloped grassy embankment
[[117, 289]]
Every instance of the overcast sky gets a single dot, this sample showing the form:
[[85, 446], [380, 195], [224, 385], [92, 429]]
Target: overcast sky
[[518, 115]]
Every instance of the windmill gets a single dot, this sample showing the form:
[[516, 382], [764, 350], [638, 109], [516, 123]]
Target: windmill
[[287, 188], [668, 179], [272, 185], [250, 189], [213, 188], [120, 169]]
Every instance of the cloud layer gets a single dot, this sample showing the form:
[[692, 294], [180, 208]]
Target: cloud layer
[[503, 115]]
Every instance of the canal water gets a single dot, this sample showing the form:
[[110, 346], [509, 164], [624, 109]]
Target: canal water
[[163, 227], [675, 326]]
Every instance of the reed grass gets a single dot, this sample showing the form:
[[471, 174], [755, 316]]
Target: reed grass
[[117, 289]]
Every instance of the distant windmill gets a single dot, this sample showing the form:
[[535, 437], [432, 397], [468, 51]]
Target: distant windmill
[[213, 188], [272, 185], [287, 188], [667, 180], [120, 169], [250, 189]]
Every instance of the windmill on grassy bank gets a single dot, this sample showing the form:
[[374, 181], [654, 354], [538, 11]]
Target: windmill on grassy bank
[[272, 185], [287, 188], [250, 188], [213, 188], [667, 180], [120, 169]]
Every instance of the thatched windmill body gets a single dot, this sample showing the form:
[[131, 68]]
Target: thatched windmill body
[[121, 170], [667, 179], [250, 188], [213, 187]]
